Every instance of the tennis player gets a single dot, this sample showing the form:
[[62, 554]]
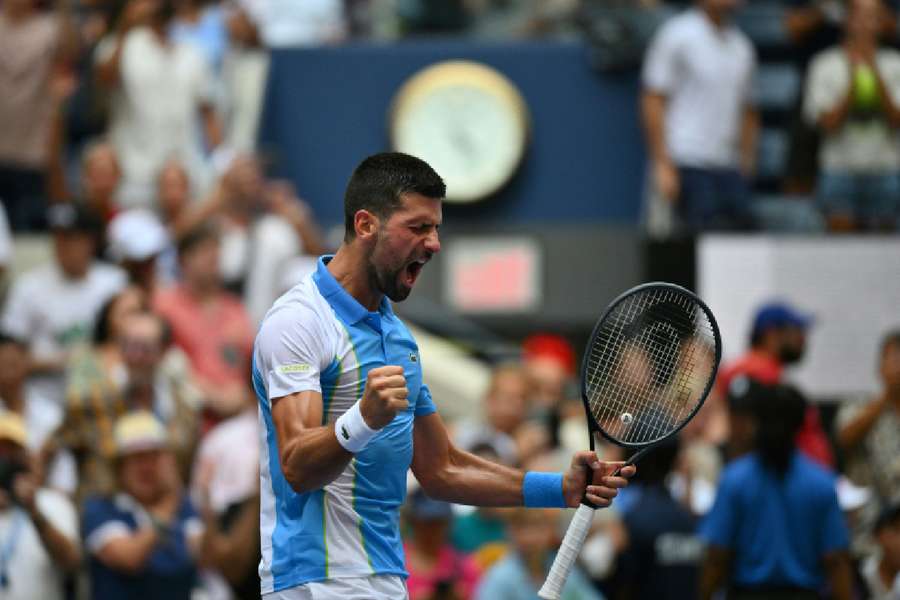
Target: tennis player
[[345, 413]]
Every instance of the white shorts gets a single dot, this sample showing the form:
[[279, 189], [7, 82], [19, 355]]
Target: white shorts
[[373, 587]]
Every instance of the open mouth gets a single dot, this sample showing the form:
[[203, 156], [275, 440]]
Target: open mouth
[[412, 270]]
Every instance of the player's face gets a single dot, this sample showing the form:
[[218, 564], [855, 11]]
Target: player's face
[[405, 242]]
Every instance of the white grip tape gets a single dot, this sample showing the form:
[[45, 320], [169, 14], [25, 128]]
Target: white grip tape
[[568, 552]]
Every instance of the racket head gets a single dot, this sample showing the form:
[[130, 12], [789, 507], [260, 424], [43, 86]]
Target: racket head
[[649, 364]]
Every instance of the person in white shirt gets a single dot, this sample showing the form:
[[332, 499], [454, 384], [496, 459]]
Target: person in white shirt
[[853, 99], [700, 124], [38, 527], [162, 92], [53, 307]]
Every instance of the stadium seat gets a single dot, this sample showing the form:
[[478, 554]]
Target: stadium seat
[[777, 87], [763, 22]]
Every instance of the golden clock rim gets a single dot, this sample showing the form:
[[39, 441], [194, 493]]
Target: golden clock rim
[[475, 74]]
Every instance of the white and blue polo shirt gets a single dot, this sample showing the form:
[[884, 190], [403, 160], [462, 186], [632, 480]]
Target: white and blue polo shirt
[[318, 337]]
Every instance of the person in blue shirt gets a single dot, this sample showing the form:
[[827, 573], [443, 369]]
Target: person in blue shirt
[[662, 557], [344, 413], [519, 574], [144, 541], [776, 530]]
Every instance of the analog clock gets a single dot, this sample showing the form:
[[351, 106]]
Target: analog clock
[[467, 121]]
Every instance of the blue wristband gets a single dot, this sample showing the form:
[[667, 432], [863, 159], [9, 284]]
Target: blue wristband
[[543, 490]]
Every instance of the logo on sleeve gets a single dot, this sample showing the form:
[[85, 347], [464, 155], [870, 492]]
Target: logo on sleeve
[[295, 368], [413, 357], [344, 433]]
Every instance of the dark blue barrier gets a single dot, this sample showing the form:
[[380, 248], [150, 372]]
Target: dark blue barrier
[[327, 108]]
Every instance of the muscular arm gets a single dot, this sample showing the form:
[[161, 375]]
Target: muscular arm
[[450, 474], [310, 454]]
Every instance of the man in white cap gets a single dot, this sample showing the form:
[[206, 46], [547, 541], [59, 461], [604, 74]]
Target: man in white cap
[[38, 527], [139, 243]]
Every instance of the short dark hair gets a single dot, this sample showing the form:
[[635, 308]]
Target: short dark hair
[[8, 338], [380, 180], [195, 237], [890, 339]]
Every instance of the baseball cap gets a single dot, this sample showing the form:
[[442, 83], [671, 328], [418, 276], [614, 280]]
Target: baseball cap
[[72, 217], [136, 234], [552, 346], [139, 431], [12, 428], [780, 314]]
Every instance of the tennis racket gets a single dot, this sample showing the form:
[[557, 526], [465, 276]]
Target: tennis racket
[[647, 369]]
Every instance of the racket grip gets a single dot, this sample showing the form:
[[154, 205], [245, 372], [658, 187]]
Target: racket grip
[[568, 552]]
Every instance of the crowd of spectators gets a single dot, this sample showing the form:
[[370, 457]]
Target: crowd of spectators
[[128, 433]]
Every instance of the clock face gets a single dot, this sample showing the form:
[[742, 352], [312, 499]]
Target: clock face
[[467, 121]]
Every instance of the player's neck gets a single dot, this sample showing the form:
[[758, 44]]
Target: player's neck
[[348, 267]]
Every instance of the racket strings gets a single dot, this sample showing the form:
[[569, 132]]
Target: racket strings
[[649, 364]]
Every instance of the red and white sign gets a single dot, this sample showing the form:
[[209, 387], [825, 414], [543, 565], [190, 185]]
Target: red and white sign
[[493, 275]]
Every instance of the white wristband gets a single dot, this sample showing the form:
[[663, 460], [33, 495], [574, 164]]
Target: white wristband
[[351, 430]]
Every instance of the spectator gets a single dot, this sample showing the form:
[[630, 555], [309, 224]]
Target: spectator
[[225, 485], [264, 225], [519, 575], [39, 526], [436, 569], [100, 177], [53, 307], [244, 73], [870, 433], [778, 340], [882, 573], [700, 125], [505, 407], [201, 23], [853, 98], [143, 542], [287, 23], [35, 45], [139, 243], [154, 380], [776, 530], [209, 324], [549, 363], [662, 554], [159, 89], [41, 415], [481, 532]]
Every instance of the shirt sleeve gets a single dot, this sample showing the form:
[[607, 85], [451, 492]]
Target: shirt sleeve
[[101, 524], [719, 527], [661, 63], [424, 403], [17, 315], [291, 353], [824, 87], [58, 510]]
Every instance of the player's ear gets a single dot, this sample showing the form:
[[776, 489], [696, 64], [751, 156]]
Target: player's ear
[[366, 224]]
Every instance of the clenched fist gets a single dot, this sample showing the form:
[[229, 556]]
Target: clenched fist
[[385, 395]]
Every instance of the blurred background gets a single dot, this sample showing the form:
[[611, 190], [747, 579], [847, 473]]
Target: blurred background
[[168, 168]]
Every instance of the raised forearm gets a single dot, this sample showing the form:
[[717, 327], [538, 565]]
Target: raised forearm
[[65, 552], [469, 479], [853, 432]]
